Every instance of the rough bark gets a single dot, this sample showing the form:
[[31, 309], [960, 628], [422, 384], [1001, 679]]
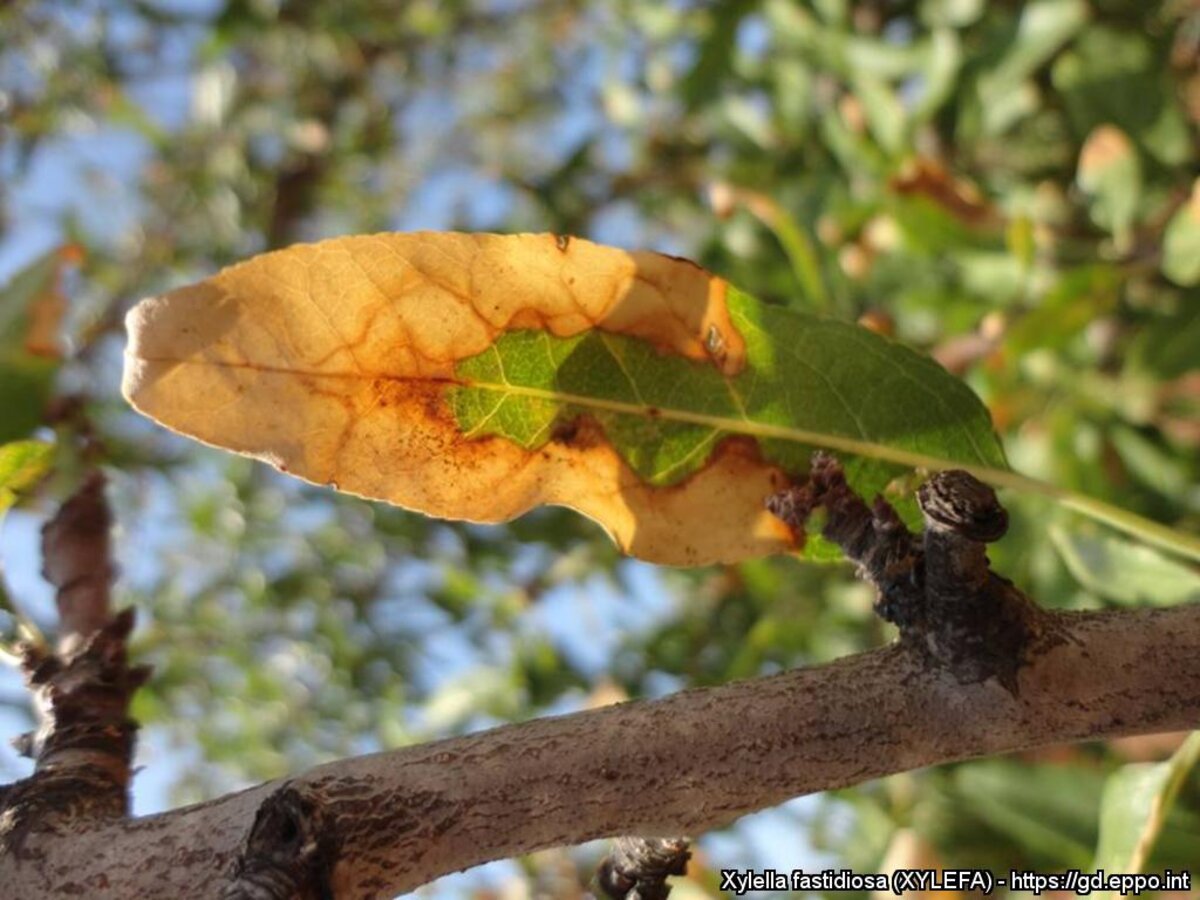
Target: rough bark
[[979, 669], [83, 747], [682, 765]]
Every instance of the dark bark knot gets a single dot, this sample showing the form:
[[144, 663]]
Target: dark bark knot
[[289, 853], [937, 587], [638, 868]]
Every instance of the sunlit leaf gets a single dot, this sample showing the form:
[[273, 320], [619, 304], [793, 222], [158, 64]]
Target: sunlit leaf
[[479, 376], [22, 464], [1048, 810], [1110, 175], [1181, 242], [1115, 76]]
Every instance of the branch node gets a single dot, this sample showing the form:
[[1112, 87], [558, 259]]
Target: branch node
[[938, 588], [289, 853], [959, 502], [638, 868]]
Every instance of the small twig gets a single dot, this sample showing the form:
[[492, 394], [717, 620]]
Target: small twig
[[938, 588], [874, 538], [77, 560]]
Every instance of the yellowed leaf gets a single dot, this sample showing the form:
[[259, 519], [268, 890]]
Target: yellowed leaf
[[48, 308], [1106, 146], [330, 362], [478, 376]]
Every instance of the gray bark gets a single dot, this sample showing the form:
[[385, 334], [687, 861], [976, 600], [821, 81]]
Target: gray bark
[[382, 824]]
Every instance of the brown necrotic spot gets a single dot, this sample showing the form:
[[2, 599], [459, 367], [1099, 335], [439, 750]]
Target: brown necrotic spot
[[566, 432], [562, 241], [581, 432]]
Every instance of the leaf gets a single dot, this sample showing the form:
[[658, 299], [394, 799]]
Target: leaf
[[885, 114], [1110, 176], [950, 13], [716, 53], [1045, 25], [1115, 76], [22, 464], [1126, 573], [792, 236], [478, 376], [1134, 808], [1049, 811], [1166, 348], [1181, 242], [31, 310], [1080, 296]]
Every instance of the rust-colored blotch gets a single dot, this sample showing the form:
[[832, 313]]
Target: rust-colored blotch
[[331, 361]]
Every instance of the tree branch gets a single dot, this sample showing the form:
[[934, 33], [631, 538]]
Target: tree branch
[[685, 764], [83, 748], [77, 560]]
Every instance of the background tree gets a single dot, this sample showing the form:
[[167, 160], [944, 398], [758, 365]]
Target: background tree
[[1008, 186]]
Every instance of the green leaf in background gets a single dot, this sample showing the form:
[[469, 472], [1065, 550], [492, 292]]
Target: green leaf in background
[[1136, 802], [1167, 348], [1047, 810], [1124, 572], [716, 50], [1110, 176], [22, 463], [1152, 464], [1081, 296], [951, 13], [1005, 95], [1181, 243], [1114, 76], [30, 307]]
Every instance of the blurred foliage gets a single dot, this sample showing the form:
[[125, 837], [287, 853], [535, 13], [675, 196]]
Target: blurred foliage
[[1008, 186], [31, 307]]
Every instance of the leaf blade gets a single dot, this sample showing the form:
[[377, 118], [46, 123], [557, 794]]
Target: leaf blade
[[31, 309], [22, 465], [338, 362], [1134, 808]]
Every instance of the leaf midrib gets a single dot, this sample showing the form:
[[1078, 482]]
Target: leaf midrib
[[1129, 522], [744, 426]]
